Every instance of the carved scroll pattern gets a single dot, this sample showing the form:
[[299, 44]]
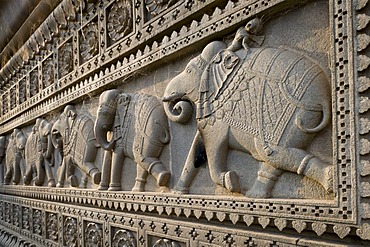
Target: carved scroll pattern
[[89, 41], [120, 19], [65, 59], [93, 235], [13, 98], [5, 103], [17, 215], [164, 242]]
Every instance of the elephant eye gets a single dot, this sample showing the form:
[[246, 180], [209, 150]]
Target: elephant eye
[[188, 70]]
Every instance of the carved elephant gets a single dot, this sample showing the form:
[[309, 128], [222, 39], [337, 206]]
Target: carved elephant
[[2, 156], [140, 130], [14, 157], [267, 102], [39, 154], [75, 133]]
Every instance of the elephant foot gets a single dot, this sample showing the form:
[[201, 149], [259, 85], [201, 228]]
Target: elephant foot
[[51, 183], [96, 176], [317, 170], [26, 180], [163, 178], [259, 190], [60, 185], [114, 188], [103, 186], [180, 190], [139, 186], [231, 181], [72, 180], [158, 171]]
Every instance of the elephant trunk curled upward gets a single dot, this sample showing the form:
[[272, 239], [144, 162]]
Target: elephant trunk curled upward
[[140, 130], [267, 102]]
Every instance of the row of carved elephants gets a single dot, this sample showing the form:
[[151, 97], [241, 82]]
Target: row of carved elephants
[[266, 102]]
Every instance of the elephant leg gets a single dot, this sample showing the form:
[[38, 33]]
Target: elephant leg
[[49, 173], [106, 171], [217, 153], [195, 158], [155, 167], [265, 182], [27, 178], [116, 172], [72, 178], [62, 174], [40, 172], [17, 170], [8, 174], [140, 181]]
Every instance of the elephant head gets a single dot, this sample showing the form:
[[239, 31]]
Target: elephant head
[[106, 116], [45, 135], [62, 125], [20, 140], [184, 88]]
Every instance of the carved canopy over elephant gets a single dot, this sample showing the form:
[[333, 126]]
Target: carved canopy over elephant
[[14, 157], [75, 133], [267, 102], [39, 154], [140, 130]]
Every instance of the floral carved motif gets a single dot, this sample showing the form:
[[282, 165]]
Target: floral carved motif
[[93, 235], [52, 229], [17, 214], [37, 222], [34, 83], [157, 6], [7, 213], [25, 218], [22, 91], [164, 242], [123, 238], [65, 59], [89, 41], [47, 72], [70, 232], [119, 21]]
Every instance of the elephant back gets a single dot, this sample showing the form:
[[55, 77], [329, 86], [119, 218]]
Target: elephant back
[[268, 86], [81, 135]]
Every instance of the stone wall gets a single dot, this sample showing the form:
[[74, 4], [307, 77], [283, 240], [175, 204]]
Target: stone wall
[[188, 123]]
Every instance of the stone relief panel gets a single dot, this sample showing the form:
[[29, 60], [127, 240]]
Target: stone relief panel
[[52, 230], [13, 97], [155, 7], [14, 157], [123, 238], [34, 83], [70, 232], [5, 103], [47, 72], [37, 222], [89, 42], [22, 91], [119, 20], [25, 218], [65, 59], [93, 235]]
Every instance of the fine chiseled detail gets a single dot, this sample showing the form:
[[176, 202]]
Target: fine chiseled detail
[[70, 232], [93, 235], [14, 157], [123, 238], [89, 41], [140, 130], [164, 242], [120, 19], [37, 222], [155, 7], [47, 72], [52, 227], [65, 59]]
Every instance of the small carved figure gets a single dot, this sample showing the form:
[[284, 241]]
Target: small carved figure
[[79, 147], [267, 102], [140, 130], [39, 154], [14, 157]]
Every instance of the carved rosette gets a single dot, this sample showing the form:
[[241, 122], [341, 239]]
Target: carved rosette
[[93, 235], [155, 7], [119, 22], [89, 41], [164, 242], [52, 227], [37, 222], [25, 218], [124, 238], [70, 232], [65, 59], [47, 72]]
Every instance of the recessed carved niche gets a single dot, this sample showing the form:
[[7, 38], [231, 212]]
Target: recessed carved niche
[[34, 83], [48, 72], [88, 41], [65, 58]]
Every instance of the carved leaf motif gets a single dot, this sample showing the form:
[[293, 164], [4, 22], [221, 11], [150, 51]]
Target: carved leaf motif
[[364, 84], [178, 211], [299, 225], [364, 231], [362, 21], [168, 210], [365, 167], [361, 4], [365, 189], [365, 210], [341, 230], [70, 231], [264, 221], [364, 146], [363, 62], [52, 227], [363, 41], [160, 209], [364, 104], [119, 21], [248, 219], [197, 213], [364, 126], [208, 214], [319, 228], [187, 212], [234, 218], [221, 216], [280, 223], [217, 12]]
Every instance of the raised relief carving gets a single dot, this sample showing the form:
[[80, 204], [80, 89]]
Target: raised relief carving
[[65, 59], [2, 157], [93, 235], [37, 222], [17, 215], [52, 227], [47, 72], [123, 238], [74, 132], [5, 105], [140, 130], [89, 41], [39, 154], [14, 157], [155, 7], [164, 242], [25, 218], [70, 232], [267, 102], [22, 91], [119, 21], [13, 97], [34, 83]]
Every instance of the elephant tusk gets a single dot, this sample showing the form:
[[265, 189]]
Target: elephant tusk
[[173, 97]]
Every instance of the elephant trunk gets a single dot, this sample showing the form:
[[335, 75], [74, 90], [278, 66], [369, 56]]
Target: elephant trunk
[[179, 112], [101, 131]]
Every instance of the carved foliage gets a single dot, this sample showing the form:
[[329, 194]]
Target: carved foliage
[[89, 41], [164, 242], [13, 98], [25, 218], [93, 235], [37, 222], [52, 227], [47, 72], [34, 83], [120, 19], [22, 91], [70, 232], [17, 215], [155, 7], [123, 238], [5, 105], [8, 213], [65, 59]]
